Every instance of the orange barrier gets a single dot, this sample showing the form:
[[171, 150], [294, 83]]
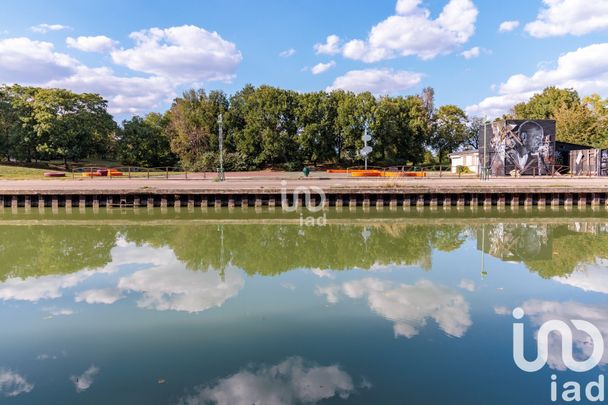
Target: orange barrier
[[103, 173], [364, 173], [376, 173]]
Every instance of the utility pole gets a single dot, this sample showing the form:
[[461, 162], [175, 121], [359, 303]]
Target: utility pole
[[485, 170], [220, 170], [366, 148]]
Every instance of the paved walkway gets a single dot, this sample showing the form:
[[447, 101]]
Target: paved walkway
[[251, 182]]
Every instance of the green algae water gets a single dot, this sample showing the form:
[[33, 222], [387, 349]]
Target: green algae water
[[378, 307]]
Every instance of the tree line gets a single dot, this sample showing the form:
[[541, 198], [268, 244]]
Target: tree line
[[263, 127], [580, 120], [268, 127]]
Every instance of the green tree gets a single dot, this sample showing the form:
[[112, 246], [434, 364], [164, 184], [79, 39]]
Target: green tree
[[451, 130], [316, 118], [143, 142], [353, 111], [475, 127], [20, 139], [268, 136], [401, 129], [68, 124], [544, 105], [192, 127]]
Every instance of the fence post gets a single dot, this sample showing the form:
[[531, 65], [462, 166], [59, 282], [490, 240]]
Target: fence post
[[186, 173], [148, 172], [440, 170], [129, 168], [167, 173]]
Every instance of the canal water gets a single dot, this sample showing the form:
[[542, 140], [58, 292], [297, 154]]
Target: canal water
[[379, 307]]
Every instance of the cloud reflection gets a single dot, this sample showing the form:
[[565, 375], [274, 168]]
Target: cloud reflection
[[101, 296], [84, 381], [13, 384], [291, 381], [588, 277], [178, 289], [540, 312], [408, 306]]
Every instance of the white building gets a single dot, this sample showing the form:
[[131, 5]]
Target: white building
[[468, 158]]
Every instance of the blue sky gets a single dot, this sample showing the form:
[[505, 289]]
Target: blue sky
[[385, 46]]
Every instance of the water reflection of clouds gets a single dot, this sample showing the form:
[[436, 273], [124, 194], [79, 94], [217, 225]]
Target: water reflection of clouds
[[34, 289], [588, 277], [292, 381], [13, 384], [99, 296], [176, 288], [408, 306], [84, 381], [156, 273], [539, 312]]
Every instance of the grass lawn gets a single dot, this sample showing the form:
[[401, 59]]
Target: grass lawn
[[8, 172]]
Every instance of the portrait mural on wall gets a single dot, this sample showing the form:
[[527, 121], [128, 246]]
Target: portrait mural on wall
[[519, 147]]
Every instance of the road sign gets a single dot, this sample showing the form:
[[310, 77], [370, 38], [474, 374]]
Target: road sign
[[365, 151]]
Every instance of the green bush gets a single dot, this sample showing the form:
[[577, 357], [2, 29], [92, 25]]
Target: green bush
[[463, 170]]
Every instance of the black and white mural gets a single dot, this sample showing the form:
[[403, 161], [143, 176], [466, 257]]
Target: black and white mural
[[518, 147]]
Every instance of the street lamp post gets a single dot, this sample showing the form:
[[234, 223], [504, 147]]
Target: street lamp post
[[220, 170], [485, 170], [366, 150]]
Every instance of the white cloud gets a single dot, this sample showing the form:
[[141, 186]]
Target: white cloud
[[13, 384], [165, 284], [471, 53], [322, 67], [33, 62], [507, 26], [44, 28], [99, 43], [171, 57], [100, 296], [52, 311], [501, 310], [34, 289], [408, 306], [84, 381], [412, 31], [322, 273], [124, 94], [330, 47], [287, 53], [468, 285], [183, 54], [377, 81], [575, 17], [46, 356], [173, 287], [540, 312], [588, 277], [585, 70], [292, 381]]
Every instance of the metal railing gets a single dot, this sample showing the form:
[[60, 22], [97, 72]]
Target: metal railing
[[130, 172]]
